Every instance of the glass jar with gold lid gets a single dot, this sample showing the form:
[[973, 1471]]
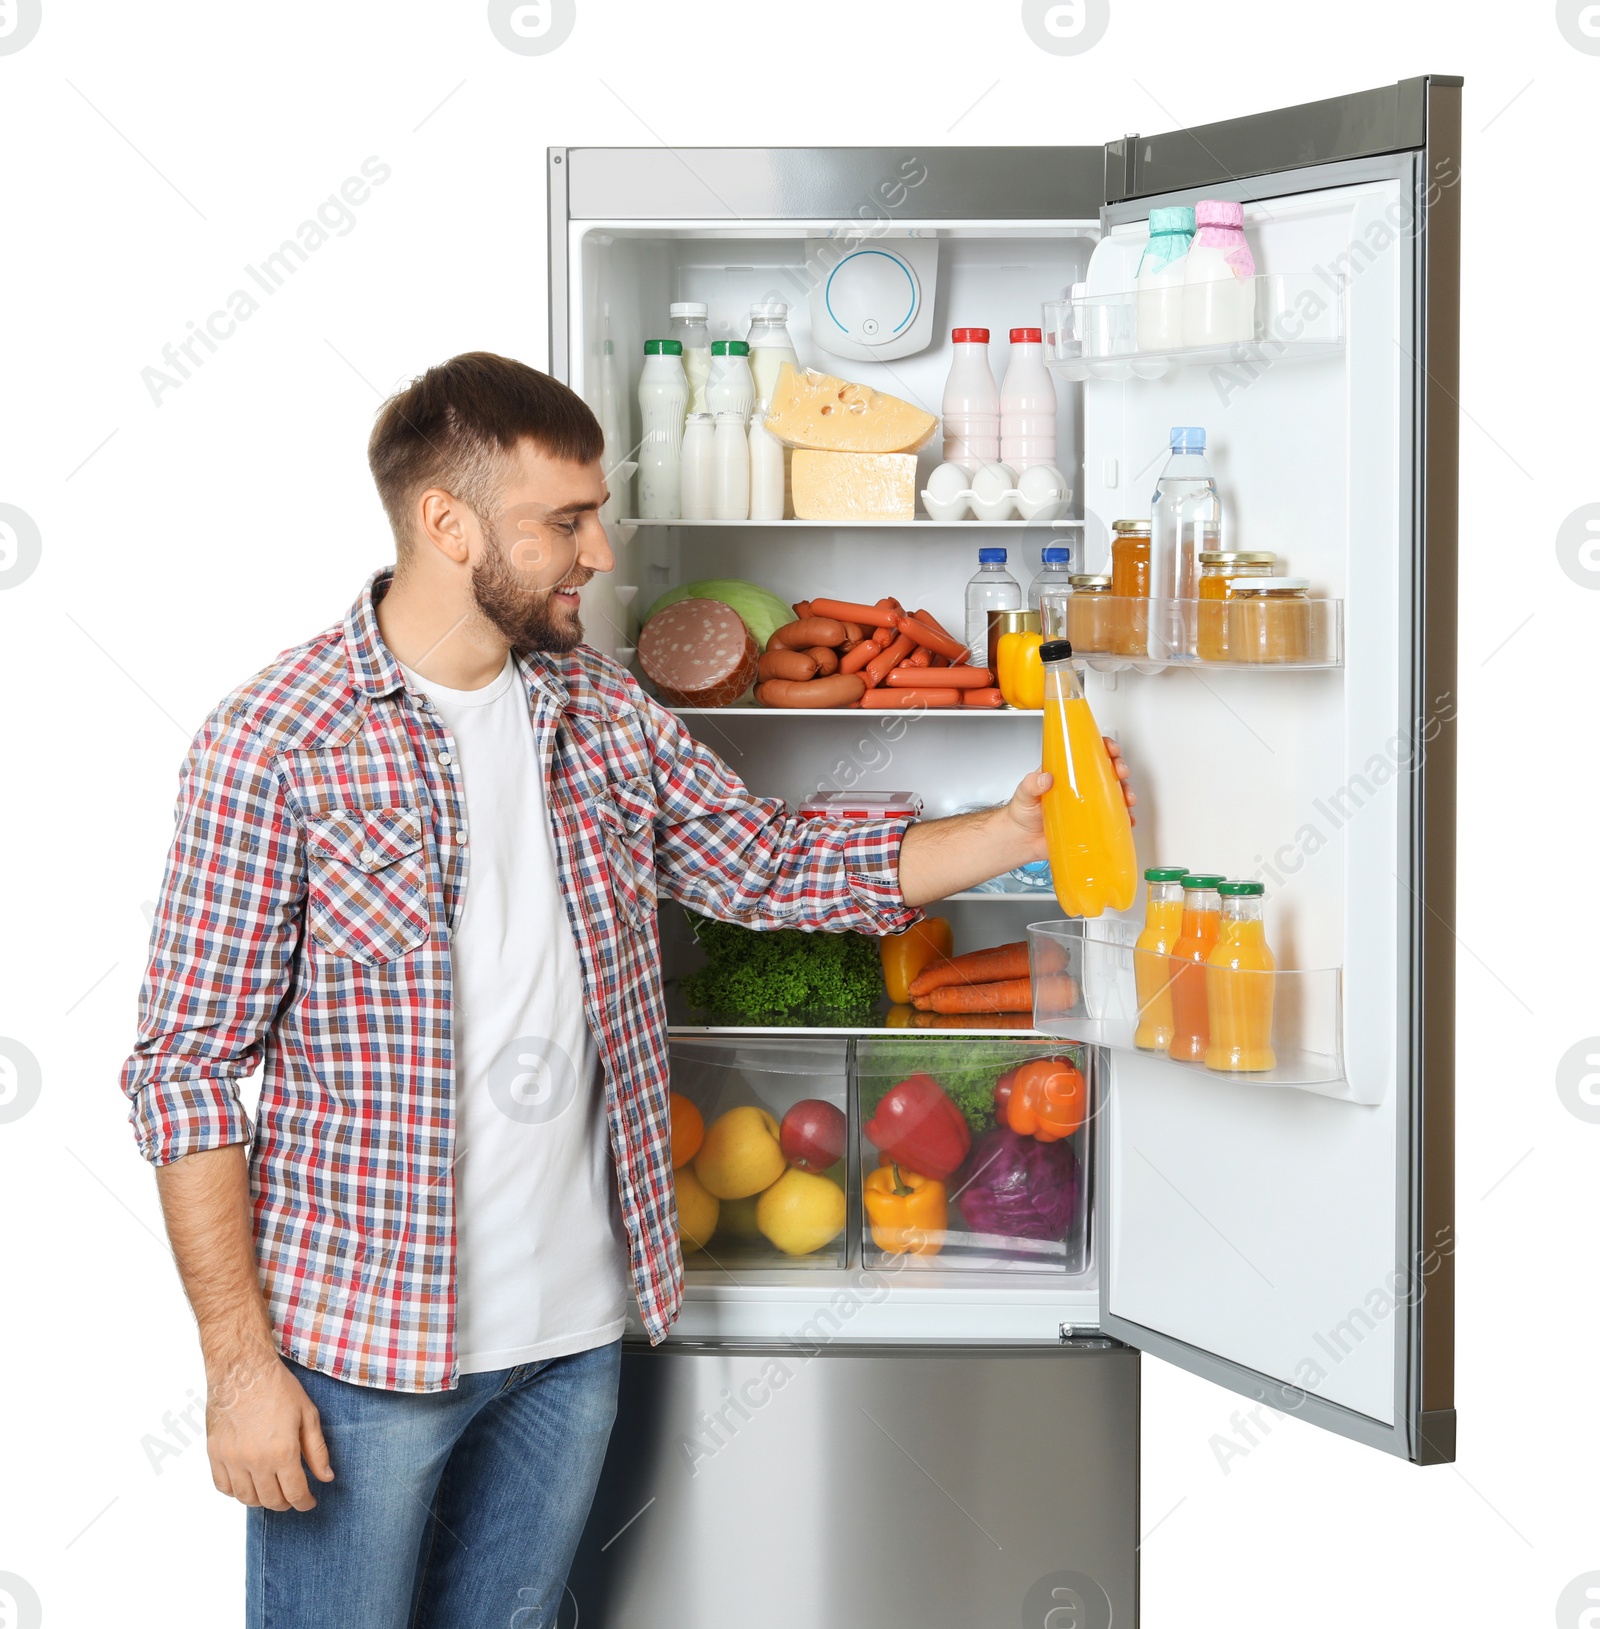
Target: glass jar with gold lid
[[1219, 568], [1269, 620], [1091, 614]]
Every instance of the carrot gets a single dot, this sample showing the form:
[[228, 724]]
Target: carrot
[[953, 678], [895, 696], [982, 698], [931, 637], [926, 1019], [879, 667], [871, 616], [1005, 995], [975, 967]]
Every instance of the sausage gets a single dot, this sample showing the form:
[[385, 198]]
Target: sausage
[[858, 656], [953, 678], [854, 632], [919, 658], [841, 690], [801, 608], [933, 622], [879, 668], [798, 665], [981, 698], [826, 658], [883, 638], [897, 697], [871, 616], [934, 638], [806, 631]]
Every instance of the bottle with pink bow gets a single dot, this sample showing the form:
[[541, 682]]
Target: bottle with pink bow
[[1219, 281]]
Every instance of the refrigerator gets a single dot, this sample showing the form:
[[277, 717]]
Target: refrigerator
[[856, 1434]]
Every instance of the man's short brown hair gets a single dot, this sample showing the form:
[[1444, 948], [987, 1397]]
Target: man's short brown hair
[[453, 426]]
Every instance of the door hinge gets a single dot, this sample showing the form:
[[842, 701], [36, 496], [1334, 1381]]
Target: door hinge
[[1083, 1335]]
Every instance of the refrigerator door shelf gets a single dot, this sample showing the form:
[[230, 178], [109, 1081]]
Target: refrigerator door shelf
[[1097, 1003], [1309, 638]]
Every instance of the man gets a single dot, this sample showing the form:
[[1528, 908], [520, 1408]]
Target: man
[[414, 879]]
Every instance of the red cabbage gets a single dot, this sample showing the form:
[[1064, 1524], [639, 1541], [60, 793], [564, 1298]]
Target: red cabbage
[[1020, 1187]]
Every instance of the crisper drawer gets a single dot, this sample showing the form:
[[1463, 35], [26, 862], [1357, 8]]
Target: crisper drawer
[[760, 1146], [974, 1154]]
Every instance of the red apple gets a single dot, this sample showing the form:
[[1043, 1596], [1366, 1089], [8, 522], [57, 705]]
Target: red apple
[[812, 1134]]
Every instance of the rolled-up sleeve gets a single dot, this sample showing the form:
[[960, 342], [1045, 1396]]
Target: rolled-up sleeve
[[727, 853], [222, 946]]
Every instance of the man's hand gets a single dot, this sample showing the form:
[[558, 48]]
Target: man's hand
[[1026, 809], [259, 1426]]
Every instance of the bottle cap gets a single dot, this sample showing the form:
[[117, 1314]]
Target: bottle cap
[[1089, 579], [1166, 873], [729, 347], [1180, 219], [663, 347], [1203, 879], [687, 308], [1235, 557], [769, 311], [991, 557], [1262, 585], [1056, 555], [1055, 650], [970, 336], [1215, 212], [1027, 336], [1187, 438], [1241, 890], [1131, 528]]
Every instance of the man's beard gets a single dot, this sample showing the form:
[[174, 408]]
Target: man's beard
[[528, 618]]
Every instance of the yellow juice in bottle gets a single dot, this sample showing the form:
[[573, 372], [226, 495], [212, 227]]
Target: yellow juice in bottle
[[1152, 951], [1086, 825], [1239, 984], [1201, 920]]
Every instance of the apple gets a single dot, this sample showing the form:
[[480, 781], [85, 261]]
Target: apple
[[812, 1135]]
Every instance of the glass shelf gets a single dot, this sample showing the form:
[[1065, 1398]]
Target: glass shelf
[[1297, 635], [921, 523], [1085, 990], [1296, 318], [682, 1019]]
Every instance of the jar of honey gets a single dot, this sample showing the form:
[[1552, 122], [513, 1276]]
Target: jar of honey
[[1090, 614], [1218, 568], [1269, 620], [1130, 584]]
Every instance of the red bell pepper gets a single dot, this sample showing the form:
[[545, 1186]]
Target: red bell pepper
[[918, 1126]]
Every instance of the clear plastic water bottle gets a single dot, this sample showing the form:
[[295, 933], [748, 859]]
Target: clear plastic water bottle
[[1055, 572], [1184, 505], [992, 589]]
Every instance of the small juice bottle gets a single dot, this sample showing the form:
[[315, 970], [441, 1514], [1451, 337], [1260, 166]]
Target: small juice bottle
[[1152, 950], [1086, 825], [1239, 984], [1202, 910]]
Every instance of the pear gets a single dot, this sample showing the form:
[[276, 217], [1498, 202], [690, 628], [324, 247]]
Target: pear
[[740, 1155]]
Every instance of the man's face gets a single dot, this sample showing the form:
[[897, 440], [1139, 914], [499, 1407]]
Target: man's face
[[543, 543]]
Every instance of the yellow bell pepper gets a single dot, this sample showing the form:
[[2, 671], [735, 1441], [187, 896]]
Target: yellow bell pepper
[[1021, 675], [908, 1211], [904, 955]]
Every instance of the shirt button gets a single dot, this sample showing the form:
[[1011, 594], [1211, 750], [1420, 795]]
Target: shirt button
[[446, 759], [461, 836], [369, 856]]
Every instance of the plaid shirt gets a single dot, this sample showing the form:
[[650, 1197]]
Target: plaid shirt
[[304, 925]]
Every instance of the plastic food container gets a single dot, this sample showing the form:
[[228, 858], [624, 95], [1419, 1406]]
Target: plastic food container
[[861, 806]]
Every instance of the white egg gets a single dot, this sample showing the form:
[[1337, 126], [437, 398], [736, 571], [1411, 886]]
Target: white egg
[[941, 497], [1044, 493], [993, 485]]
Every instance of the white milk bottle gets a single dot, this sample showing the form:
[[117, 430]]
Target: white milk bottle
[[1159, 302], [663, 401], [730, 469], [1027, 404], [697, 463], [766, 469], [770, 345], [692, 332], [1219, 278], [971, 405], [731, 388]]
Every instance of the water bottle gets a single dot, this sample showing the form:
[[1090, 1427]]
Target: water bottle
[[1184, 506], [1055, 572], [693, 333], [992, 589]]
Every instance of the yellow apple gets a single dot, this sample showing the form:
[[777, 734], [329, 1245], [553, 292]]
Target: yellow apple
[[800, 1212], [740, 1155], [697, 1211]]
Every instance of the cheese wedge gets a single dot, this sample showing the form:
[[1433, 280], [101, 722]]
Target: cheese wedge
[[846, 486], [815, 410]]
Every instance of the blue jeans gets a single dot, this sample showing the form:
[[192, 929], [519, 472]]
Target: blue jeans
[[448, 1510]]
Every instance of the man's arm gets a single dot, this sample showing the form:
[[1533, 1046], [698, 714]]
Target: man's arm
[[943, 857], [259, 1421]]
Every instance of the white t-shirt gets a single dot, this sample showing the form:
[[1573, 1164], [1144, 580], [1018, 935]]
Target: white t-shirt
[[540, 1251]]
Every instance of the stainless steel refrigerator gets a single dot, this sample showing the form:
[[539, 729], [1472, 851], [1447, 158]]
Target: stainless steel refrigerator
[[856, 1434]]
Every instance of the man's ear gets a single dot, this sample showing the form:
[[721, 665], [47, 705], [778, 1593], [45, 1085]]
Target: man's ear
[[445, 523]]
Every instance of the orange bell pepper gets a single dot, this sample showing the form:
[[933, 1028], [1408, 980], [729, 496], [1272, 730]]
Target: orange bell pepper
[[908, 1211], [904, 955], [1048, 1100]]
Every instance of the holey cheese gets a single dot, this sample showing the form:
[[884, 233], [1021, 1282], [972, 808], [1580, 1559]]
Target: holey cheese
[[815, 410], [847, 486]]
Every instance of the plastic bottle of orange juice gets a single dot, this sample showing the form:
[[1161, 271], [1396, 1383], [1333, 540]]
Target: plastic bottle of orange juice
[[1239, 984], [1086, 825], [1152, 968], [1202, 910]]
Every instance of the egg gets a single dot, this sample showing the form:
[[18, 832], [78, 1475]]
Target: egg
[[945, 497], [993, 486], [1043, 493]]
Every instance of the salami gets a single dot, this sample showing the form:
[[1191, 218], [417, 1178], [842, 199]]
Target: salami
[[698, 653]]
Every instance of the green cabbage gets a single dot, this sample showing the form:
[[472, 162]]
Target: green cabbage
[[760, 610]]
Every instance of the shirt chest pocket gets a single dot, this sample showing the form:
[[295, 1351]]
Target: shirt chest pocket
[[367, 883], [627, 813]]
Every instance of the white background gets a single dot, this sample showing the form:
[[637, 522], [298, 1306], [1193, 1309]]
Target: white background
[[149, 152]]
